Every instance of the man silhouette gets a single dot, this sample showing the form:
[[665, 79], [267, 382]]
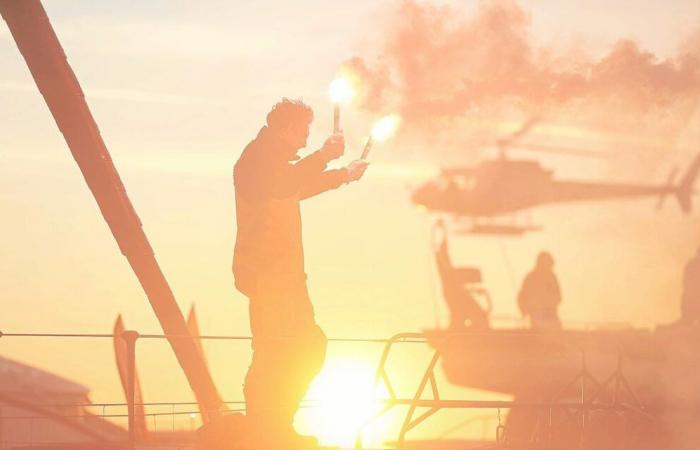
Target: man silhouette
[[690, 299], [539, 295], [268, 265]]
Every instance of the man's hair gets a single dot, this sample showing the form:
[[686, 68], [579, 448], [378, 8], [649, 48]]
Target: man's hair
[[287, 112]]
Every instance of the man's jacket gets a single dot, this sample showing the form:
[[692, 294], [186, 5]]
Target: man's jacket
[[268, 190]]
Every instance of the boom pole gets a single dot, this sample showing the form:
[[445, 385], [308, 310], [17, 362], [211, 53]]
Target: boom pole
[[39, 45]]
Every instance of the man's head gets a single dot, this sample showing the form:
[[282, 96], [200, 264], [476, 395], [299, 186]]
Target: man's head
[[290, 120], [545, 260]]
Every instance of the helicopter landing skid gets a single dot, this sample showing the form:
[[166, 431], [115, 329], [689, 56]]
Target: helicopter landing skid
[[498, 228]]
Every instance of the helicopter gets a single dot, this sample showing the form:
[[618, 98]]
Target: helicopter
[[503, 186]]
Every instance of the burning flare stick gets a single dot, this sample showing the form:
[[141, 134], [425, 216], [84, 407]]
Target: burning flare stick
[[340, 91], [382, 130]]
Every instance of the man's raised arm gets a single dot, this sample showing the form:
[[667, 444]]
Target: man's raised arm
[[315, 163], [331, 179], [310, 173]]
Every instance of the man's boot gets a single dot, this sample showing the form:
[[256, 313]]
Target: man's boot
[[223, 433]]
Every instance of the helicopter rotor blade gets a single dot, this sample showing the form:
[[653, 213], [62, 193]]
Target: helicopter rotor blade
[[570, 151]]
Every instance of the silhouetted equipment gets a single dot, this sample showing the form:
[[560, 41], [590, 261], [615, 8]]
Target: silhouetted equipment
[[193, 326], [47, 63], [633, 386], [502, 186], [651, 375], [39, 407], [460, 287], [503, 229], [135, 401], [690, 297]]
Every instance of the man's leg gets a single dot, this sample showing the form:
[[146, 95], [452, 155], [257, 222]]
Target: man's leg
[[308, 357], [690, 309], [308, 351], [288, 352], [262, 389], [269, 371]]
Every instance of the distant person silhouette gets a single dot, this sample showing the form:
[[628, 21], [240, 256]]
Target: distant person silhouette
[[457, 288], [690, 298], [540, 295], [268, 265]]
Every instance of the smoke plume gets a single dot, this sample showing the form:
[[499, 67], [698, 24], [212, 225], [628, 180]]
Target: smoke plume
[[450, 74]]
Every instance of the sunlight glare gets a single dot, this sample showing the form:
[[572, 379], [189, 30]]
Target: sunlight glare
[[344, 397]]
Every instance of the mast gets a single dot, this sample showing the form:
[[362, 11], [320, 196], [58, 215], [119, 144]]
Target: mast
[[39, 45]]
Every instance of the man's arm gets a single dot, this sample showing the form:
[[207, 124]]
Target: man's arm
[[263, 177], [290, 179], [326, 180], [557, 291], [309, 174], [331, 179], [311, 166]]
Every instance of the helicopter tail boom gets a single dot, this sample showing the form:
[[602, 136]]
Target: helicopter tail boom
[[684, 191]]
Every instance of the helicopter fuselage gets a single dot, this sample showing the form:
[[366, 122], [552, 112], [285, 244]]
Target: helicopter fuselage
[[507, 186]]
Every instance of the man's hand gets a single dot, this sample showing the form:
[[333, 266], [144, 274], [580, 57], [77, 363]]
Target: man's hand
[[356, 169], [334, 147]]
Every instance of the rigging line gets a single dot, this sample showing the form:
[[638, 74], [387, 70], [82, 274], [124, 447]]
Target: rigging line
[[416, 338], [509, 266], [431, 271], [226, 338], [124, 404], [83, 416], [67, 335]]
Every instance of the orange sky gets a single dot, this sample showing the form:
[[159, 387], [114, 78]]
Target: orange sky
[[177, 94]]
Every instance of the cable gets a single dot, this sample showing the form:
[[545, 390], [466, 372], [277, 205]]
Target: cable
[[164, 336], [433, 285]]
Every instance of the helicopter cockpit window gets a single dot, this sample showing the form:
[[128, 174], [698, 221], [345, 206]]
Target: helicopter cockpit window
[[441, 183], [465, 182]]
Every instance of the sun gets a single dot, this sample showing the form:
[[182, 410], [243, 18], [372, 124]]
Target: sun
[[339, 402]]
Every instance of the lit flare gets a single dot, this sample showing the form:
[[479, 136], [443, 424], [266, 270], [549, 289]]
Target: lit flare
[[383, 129], [340, 90]]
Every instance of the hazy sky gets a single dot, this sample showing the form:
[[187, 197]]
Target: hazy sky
[[178, 88]]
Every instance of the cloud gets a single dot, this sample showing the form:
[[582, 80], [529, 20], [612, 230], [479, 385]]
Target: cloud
[[164, 37], [128, 95]]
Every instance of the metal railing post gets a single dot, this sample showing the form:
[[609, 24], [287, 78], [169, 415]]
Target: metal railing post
[[2, 435], [130, 337]]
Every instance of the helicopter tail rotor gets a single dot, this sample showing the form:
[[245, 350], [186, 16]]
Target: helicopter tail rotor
[[669, 186], [684, 191]]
